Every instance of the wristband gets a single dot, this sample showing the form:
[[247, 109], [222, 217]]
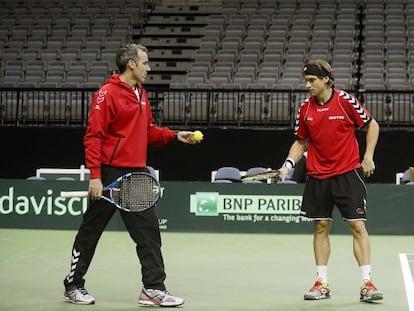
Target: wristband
[[176, 135], [289, 163]]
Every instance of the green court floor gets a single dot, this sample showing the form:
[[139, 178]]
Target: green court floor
[[220, 272]]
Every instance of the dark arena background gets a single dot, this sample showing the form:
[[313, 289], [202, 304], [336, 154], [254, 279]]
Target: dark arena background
[[25, 149]]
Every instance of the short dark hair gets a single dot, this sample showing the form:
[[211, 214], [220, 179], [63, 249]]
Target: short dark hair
[[126, 53]]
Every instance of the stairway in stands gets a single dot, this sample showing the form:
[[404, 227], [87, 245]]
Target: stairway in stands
[[172, 34]]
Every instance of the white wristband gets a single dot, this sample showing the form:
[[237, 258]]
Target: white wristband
[[289, 163]]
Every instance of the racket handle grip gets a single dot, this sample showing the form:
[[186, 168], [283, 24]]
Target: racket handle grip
[[73, 194]]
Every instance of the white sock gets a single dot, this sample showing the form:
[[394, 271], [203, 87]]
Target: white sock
[[322, 273], [365, 273]]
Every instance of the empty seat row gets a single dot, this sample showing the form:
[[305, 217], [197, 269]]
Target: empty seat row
[[74, 8], [52, 20], [66, 30], [54, 76], [56, 65]]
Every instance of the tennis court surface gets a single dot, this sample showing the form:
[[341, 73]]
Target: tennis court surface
[[223, 272]]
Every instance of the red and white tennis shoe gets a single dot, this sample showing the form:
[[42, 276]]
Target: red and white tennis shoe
[[370, 293], [318, 291]]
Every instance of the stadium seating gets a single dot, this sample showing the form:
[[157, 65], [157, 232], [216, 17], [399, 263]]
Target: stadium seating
[[187, 38], [53, 32]]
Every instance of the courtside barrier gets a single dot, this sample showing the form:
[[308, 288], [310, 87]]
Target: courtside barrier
[[203, 207]]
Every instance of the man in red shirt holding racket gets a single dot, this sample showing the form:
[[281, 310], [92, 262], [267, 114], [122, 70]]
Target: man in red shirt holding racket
[[119, 130], [325, 128]]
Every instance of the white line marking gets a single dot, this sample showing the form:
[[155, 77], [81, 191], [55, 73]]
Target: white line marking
[[408, 280]]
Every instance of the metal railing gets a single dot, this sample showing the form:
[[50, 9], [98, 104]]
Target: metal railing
[[44, 106], [263, 108]]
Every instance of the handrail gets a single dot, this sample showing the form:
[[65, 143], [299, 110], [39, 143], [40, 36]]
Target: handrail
[[194, 107]]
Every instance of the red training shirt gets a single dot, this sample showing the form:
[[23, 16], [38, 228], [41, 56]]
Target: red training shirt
[[330, 129], [120, 128]]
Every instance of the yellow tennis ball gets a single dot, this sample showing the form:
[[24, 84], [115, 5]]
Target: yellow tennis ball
[[197, 136]]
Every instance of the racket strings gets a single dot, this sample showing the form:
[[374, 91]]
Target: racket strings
[[137, 192], [262, 176]]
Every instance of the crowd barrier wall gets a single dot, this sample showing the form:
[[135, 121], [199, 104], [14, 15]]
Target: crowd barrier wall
[[204, 207]]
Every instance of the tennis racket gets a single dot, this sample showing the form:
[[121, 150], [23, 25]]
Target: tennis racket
[[262, 176], [132, 192]]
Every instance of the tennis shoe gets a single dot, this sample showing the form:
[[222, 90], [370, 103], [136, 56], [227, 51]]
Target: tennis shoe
[[318, 291], [370, 293], [78, 296], [156, 297]]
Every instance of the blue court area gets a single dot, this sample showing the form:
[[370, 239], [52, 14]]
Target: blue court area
[[226, 272]]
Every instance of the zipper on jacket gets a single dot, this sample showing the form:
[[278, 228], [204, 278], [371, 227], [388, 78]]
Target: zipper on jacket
[[113, 153]]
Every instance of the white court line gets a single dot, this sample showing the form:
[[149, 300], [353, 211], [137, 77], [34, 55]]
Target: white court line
[[408, 280]]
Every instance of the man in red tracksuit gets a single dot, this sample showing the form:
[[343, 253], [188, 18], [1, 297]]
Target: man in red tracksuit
[[325, 128], [119, 130]]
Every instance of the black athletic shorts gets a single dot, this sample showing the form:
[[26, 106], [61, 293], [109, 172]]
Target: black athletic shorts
[[346, 191]]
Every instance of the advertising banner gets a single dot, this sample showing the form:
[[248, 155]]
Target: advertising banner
[[203, 207]]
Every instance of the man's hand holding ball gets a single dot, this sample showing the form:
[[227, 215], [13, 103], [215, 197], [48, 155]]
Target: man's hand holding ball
[[197, 136]]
